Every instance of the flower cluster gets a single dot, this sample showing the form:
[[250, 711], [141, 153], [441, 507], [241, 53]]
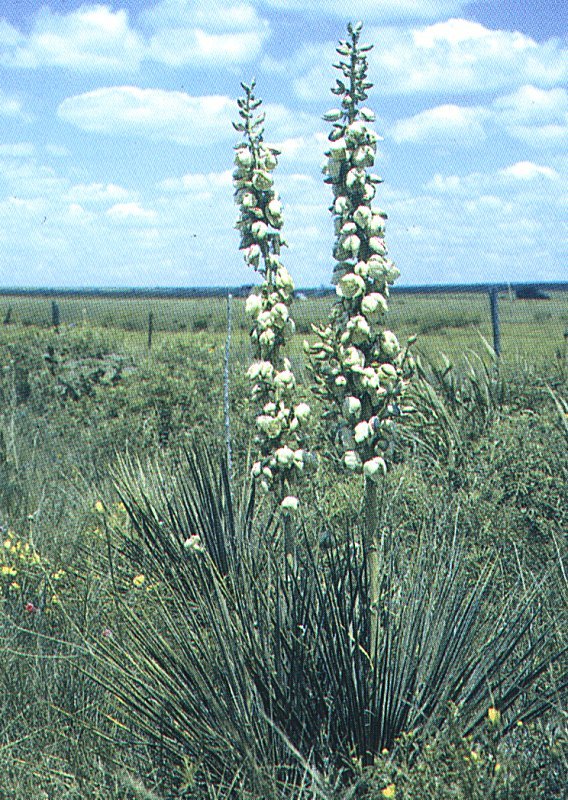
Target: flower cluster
[[359, 368], [281, 420]]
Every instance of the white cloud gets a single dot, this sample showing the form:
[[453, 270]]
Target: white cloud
[[10, 106], [454, 56], [97, 193], [131, 212], [17, 150], [197, 182], [88, 39], [443, 124], [526, 171], [153, 113], [198, 32], [374, 10], [535, 116]]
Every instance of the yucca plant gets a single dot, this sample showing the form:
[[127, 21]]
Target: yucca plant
[[245, 668]]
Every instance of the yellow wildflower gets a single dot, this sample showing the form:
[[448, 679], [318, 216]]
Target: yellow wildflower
[[7, 570], [389, 791], [99, 508], [494, 715], [138, 580]]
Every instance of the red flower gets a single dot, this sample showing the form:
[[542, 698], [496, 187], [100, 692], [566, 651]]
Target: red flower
[[30, 608]]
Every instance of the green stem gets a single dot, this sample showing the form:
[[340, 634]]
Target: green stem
[[371, 543]]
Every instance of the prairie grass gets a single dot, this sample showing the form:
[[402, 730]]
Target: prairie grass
[[493, 468]]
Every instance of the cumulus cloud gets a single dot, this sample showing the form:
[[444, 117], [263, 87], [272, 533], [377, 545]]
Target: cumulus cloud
[[90, 38], [97, 193], [445, 124], [374, 10], [526, 171], [131, 212], [153, 113], [453, 56], [198, 32], [535, 116], [10, 106]]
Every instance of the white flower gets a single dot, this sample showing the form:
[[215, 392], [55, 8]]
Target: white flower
[[353, 357], [356, 131], [262, 180], [389, 344], [252, 255], [283, 280], [351, 244], [284, 379], [373, 306], [351, 406], [377, 225], [341, 204], [350, 285], [302, 412], [253, 305], [363, 216], [354, 176], [367, 114], [290, 503], [358, 329], [338, 149], [374, 468], [332, 115], [352, 460], [270, 426], [279, 314], [248, 200], [378, 245], [340, 381], [243, 157], [361, 432], [259, 229], [284, 456], [256, 469], [267, 338]]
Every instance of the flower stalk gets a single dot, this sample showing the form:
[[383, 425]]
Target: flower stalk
[[281, 420], [360, 369]]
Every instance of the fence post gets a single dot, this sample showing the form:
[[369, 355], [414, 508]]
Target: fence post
[[55, 318], [494, 301], [150, 329]]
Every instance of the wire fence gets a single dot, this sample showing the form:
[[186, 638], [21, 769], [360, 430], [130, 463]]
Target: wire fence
[[515, 319]]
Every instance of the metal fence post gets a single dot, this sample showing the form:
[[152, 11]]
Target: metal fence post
[[55, 317], [494, 301], [150, 329]]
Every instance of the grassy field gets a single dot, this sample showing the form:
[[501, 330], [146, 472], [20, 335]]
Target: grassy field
[[111, 638], [444, 322]]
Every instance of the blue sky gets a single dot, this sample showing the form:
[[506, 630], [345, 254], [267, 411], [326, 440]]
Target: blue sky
[[116, 142]]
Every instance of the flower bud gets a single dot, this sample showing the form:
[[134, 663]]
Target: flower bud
[[253, 305], [373, 306], [362, 216], [389, 344], [338, 149], [361, 432], [302, 412], [244, 158], [378, 245], [375, 468], [284, 456], [290, 504], [259, 230], [351, 406], [350, 285]]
